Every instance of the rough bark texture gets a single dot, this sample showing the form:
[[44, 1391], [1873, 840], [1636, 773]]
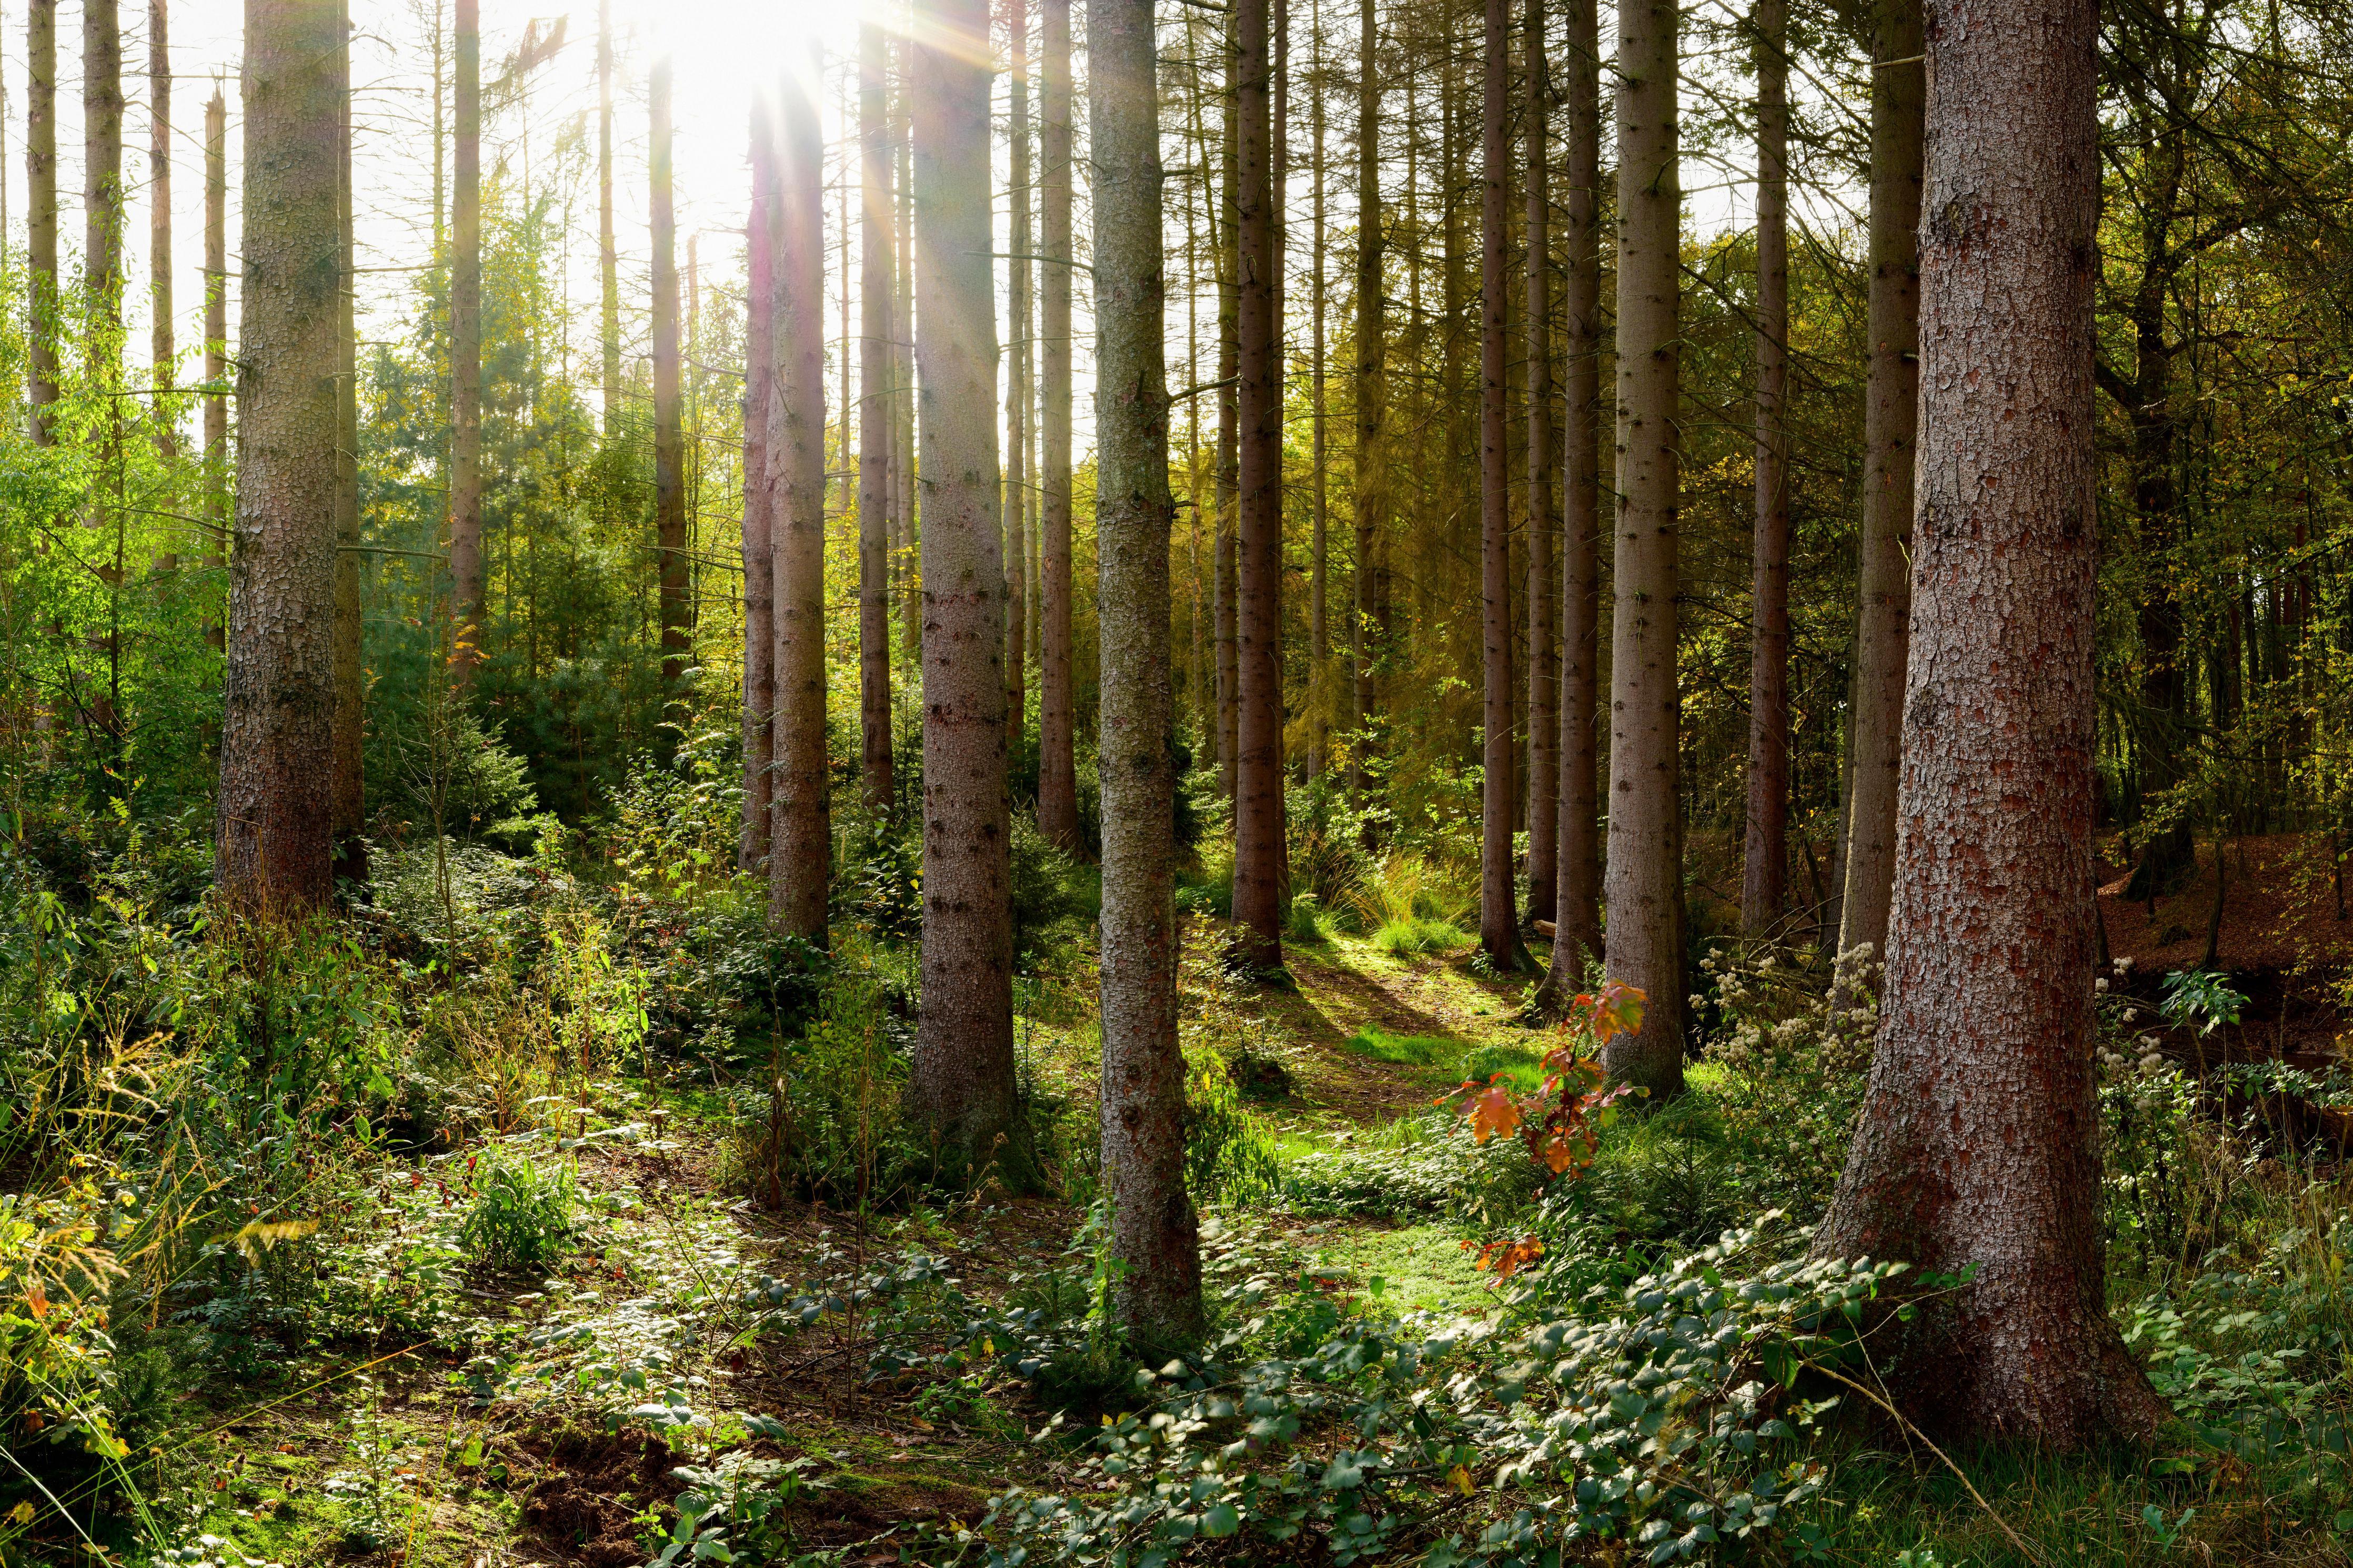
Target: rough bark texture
[[961, 1080], [1498, 914], [1372, 497], [216, 310], [1978, 1142], [761, 236], [1764, 882], [465, 565], [1890, 411], [1228, 484], [669, 447], [1576, 931], [608, 261], [1544, 617], [1319, 625], [160, 349], [101, 168], [1153, 1232], [1058, 782], [351, 710], [911, 598], [874, 414], [273, 857], [1644, 883], [799, 836], [41, 206], [1257, 654], [1017, 391]]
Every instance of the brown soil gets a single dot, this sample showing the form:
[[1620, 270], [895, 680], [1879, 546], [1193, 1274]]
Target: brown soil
[[588, 1486]]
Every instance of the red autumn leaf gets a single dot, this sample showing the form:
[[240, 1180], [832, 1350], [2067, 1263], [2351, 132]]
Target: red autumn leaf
[[1492, 1109]]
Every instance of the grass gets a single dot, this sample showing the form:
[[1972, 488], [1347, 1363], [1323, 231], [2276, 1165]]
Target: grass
[[1410, 934], [1413, 1268], [1406, 1050]]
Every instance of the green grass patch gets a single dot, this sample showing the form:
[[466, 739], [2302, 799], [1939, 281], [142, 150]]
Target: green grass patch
[[1414, 1268], [1418, 935], [1520, 1067], [1407, 1050]]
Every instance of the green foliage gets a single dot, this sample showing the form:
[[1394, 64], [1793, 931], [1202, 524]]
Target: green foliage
[[1797, 1056], [1230, 1152], [519, 1215]]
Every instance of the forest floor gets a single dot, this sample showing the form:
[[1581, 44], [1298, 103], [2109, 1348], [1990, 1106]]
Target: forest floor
[[472, 1422]]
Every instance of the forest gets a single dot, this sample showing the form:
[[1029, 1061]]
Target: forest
[[992, 783]]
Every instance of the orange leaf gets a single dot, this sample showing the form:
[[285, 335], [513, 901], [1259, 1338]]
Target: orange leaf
[[38, 1301], [1492, 1110]]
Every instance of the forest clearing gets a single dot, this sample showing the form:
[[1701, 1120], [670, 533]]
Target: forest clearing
[[1134, 783]]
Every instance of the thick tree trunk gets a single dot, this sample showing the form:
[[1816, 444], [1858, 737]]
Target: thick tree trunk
[[608, 261], [216, 309], [1977, 1149], [1319, 625], [1764, 883], [101, 170], [1017, 391], [1890, 411], [160, 349], [762, 235], [1499, 936], [875, 412], [1154, 1233], [911, 598], [1058, 782], [274, 854], [350, 714], [670, 473], [467, 578], [1257, 771], [1645, 886], [1224, 244], [1372, 497], [960, 1082], [799, 835], [1577, 933], [41, 206], [1544, 616]]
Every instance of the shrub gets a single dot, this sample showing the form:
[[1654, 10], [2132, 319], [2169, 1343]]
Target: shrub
[[521, 1216], [1797, 1058]]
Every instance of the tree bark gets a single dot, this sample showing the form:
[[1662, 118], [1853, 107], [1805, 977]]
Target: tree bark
[[762, 235], [1499, 936], [1224, 244], [1058, 782], [799, 834], [1258, 770], [1576, 931], [1544, 616], [1372, 497], [467, 578], [1153, 1232], [41, 207], [159, 350], [1017, 391], [669, 474], [215, 313], [101, 174], [608, 261], [1978, 1144], [1764, 883], [911, 598], [350, 792], [1891, 413], [961, 1083], [1319, 625], [1645, 881], [875, 413], [274, 854]]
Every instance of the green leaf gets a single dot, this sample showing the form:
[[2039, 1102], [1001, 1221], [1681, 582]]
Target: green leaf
[[1220, 1521]]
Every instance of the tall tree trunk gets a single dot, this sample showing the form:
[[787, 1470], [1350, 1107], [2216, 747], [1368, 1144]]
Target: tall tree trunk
[[274, 854], [799, 835], [1890, 411], [1222, 242], [669, 476], [1319, 625], [159, 350], [911, 598], [961, 1080], [762, 235], [1371, 500], [1153, 1232], [1544, 616], [101, 171], [216, 313], [1498, 906], [350, 714], [608, 261], [874, 417], [1576, 931], [1977, 1150], [41, 206], [467, 575], [1644, 884], [1058, 781], [1016, 394], [1764, 883], [1257, 773]]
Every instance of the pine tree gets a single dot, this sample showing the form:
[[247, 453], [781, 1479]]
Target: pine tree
[[467, 576], [1058, 782], [874, 417], [1764, 876]]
